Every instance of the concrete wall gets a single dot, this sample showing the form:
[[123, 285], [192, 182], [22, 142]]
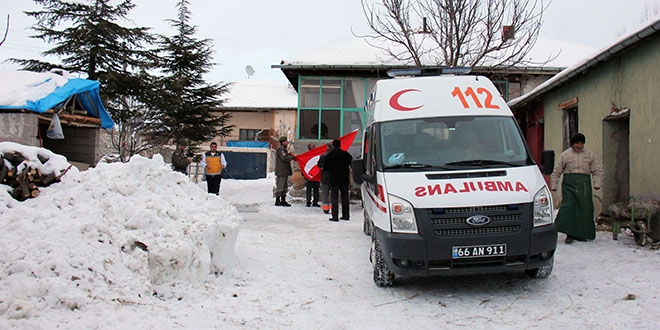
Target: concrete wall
[[250, 120], [79, 144], [629, 80], [20, 128]]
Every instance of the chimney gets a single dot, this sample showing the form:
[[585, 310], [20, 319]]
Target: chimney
[[507, 32]]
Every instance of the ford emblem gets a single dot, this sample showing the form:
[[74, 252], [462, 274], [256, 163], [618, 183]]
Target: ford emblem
[[478, 220]]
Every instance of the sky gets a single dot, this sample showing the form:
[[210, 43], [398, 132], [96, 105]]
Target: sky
[[139, 246], [262, 33]]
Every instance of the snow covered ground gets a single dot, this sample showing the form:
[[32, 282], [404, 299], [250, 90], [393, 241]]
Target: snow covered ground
[[68, 260]]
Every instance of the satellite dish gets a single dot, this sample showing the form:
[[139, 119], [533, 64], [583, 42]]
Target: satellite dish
[[250, 70]]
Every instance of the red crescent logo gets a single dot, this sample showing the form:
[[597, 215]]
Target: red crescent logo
[[394, 100]]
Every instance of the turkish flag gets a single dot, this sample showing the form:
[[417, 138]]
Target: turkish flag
[[308, 160]]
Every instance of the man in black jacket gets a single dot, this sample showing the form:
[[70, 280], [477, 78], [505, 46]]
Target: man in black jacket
[[338, 163]]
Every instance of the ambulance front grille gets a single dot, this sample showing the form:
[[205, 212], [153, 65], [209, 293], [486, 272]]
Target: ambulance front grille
[[453, 222], [476, 231], [461, 220]]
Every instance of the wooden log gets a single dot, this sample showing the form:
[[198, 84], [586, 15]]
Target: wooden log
[[34, 192], [48, 179], [15, 158], [3, 173], [80, 119], [67, 170], [23, 185]]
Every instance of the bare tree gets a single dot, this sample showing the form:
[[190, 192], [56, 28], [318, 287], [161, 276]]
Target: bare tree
[[129, 136], [496, 33], [6, 32]]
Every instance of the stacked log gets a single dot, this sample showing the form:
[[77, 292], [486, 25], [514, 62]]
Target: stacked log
[[24, 180]]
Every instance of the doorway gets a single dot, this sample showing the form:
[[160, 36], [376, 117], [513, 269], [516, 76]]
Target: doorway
[[616, 159]]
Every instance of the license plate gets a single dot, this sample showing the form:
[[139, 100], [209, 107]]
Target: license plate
[[476, 251]]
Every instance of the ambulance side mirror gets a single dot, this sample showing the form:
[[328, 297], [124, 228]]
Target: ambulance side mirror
[[357, 167], [547, 162]]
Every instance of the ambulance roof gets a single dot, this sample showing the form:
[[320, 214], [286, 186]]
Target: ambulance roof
[[449, 95]]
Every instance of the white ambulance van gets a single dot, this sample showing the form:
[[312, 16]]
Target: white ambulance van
[[448, 184]]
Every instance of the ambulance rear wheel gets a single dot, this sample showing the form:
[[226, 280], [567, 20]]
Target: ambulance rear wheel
[[383, 277]]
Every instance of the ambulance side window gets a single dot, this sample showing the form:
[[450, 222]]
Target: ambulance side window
[[369, 148], [365, 150]]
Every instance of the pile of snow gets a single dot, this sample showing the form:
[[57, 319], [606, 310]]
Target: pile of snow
[[118, 231]]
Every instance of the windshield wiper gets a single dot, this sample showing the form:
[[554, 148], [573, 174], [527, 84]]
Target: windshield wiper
[[480, 162], [409, 165]]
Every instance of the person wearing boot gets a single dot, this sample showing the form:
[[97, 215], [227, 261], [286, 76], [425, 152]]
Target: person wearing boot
[[283, 170], [325, 181], [312, 187], [338, 163]]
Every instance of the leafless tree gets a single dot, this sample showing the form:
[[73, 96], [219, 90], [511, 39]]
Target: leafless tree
[[129, 137], [6, 32], [495, 33]]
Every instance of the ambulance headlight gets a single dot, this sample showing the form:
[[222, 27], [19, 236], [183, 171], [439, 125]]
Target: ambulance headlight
[[402, 216], [543, 208]]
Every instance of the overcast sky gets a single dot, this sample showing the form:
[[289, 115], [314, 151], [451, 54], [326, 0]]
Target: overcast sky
[[261, 33]]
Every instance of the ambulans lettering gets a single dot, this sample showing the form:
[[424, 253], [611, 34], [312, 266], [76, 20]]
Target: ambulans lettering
[[394, 100], [466, 187], [469, 92]]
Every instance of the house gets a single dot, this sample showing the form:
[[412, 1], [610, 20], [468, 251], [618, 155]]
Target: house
[[334, 83], [261, 111], [613, 98], [29, 101]]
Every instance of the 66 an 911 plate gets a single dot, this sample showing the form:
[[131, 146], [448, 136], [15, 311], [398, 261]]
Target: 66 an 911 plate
[[476, 251]]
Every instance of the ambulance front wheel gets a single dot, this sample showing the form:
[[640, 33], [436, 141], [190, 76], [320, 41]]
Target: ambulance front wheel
[[541, 272], [383, 276], [367, 227]]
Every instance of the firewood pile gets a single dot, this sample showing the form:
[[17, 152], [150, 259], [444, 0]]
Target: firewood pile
[[23, 179]]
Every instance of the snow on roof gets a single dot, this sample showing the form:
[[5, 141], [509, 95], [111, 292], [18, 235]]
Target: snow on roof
[[17, 88], [359, 53], [259, 93], [41, 91], [642, 31]]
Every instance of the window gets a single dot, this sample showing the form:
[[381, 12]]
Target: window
[[330, 107], [502, 87], [570, 120], [253, 134]]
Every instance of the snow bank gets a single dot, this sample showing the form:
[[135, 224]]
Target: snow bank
[[129, 230]]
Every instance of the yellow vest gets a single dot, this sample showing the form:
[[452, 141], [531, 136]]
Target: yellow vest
[[213, 164]]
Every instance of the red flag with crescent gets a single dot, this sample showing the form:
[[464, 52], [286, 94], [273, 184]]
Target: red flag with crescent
[[308, 160]]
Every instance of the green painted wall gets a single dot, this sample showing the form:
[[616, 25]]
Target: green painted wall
[[631, 80]]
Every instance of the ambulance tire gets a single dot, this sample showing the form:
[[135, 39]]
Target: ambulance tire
[[366, 225], [541, 272], [383, 277]]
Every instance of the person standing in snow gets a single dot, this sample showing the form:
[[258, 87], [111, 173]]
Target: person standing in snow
[[312, 187], [214, 163], [338, 163], [179, 160], [325, 181], [283, 170], [576, 212]]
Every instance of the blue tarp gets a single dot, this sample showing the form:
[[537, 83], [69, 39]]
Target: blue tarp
[[248, 144], [88, 95]]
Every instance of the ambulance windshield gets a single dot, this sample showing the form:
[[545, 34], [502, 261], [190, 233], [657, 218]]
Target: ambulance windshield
[[452, 143]]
